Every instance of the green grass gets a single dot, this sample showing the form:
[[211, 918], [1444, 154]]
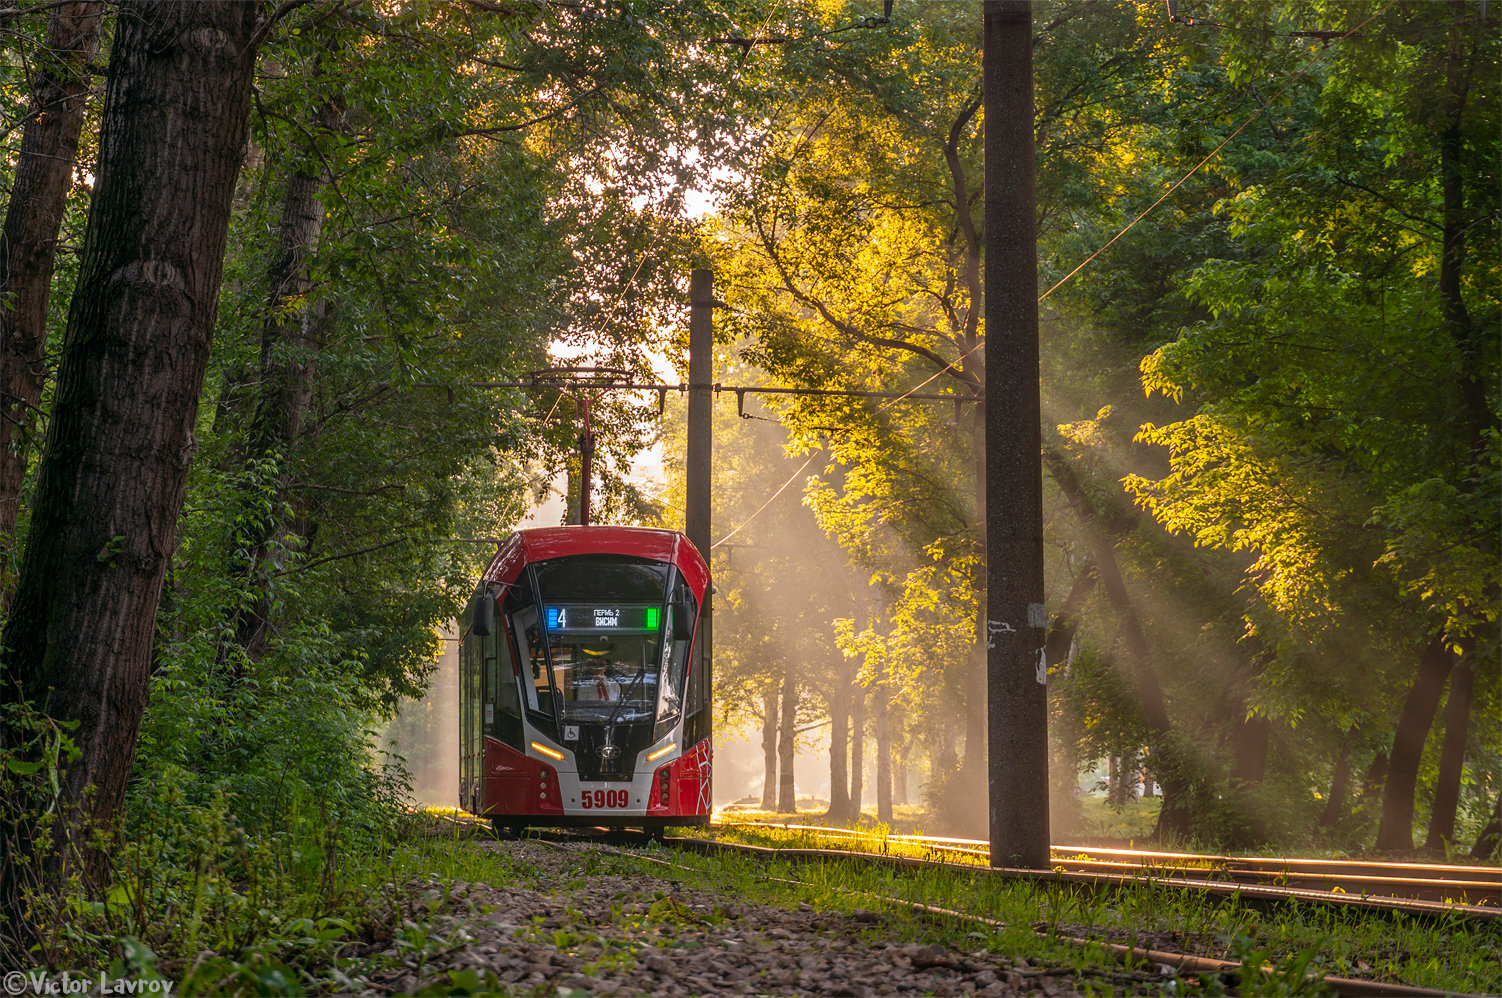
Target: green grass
[[907, 819], [1131, 823], [878, 839], [1450, 954], [391, 910], [1099, 822]]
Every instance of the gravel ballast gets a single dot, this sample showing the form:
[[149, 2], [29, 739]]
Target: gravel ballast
[[583, 920]]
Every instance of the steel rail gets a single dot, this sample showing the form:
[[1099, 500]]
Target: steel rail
[[1475, 885], [1256, 893], [1129, 956]]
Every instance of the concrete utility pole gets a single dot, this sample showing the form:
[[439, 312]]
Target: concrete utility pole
[[700, 450], [700, 408], [1016, 669]]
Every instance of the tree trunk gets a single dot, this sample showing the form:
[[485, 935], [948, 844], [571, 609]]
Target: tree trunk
[[110, 486], [1455, 226], [1451, 760], [1371, 783], [787, 791], [1395, 832], [290, 337], [28, 243], [1491, 835], [769, 750], [857, 751], [1173, 766], [839, 739], [1335, 803], [972, 773], [899, 773], [1121, 771], [973, 373], [1065, 623], [1251, 740], [881, 708]]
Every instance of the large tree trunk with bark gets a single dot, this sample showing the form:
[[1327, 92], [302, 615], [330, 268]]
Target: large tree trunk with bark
[[110, 486], [769, 750], [28, 243], [787, 792], [1451, 760], [1395, 831]]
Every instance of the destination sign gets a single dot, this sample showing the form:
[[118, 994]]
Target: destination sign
[[603, 617]]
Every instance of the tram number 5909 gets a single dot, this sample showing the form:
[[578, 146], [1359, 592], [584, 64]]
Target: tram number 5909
[[604, 798]]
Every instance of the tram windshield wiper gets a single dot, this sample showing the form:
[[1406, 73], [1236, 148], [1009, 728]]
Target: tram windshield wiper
[[641, 673]]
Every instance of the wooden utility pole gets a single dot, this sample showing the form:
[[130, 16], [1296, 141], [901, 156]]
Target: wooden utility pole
[[1016, 666], [700, 451]]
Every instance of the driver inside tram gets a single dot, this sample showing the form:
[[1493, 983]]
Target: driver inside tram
[[595, 685]]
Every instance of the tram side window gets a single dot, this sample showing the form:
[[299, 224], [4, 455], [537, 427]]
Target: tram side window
[[500, 688], [697, 696], [695, 693], [674, 695], [535, 671]]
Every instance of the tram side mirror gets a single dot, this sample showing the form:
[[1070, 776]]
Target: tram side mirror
[[483, 613], [683, 621]]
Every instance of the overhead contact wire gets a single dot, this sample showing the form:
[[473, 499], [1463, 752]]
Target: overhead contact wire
[[1214, 152], [1088, 260], [884, 405]]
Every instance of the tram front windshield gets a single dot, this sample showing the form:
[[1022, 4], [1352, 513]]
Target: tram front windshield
[[605, 619], [605, 677]]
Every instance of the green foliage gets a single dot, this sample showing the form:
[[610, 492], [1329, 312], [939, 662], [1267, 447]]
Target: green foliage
[[1317, 448]]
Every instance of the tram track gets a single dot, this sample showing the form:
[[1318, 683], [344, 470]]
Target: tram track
[[1471, 891], [1129, 956]]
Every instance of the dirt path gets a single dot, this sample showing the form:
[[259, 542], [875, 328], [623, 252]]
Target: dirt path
[[583, 921]]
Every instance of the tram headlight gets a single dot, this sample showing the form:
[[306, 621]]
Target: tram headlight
[[550, 753]]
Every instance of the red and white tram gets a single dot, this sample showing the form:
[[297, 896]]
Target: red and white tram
[[584, 695]]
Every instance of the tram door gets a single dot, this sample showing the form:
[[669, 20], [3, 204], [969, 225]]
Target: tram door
[[471, 734]]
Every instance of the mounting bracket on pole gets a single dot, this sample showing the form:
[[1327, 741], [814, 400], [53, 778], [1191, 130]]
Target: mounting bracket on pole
[[571, 381], [581, 377]]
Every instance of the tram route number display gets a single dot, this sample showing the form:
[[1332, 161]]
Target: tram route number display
[[603, 618], [591, 799]]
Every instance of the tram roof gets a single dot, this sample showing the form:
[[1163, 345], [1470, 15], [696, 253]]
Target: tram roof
[[544, 543]]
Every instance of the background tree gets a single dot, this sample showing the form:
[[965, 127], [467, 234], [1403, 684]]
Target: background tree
[[43, 177]]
